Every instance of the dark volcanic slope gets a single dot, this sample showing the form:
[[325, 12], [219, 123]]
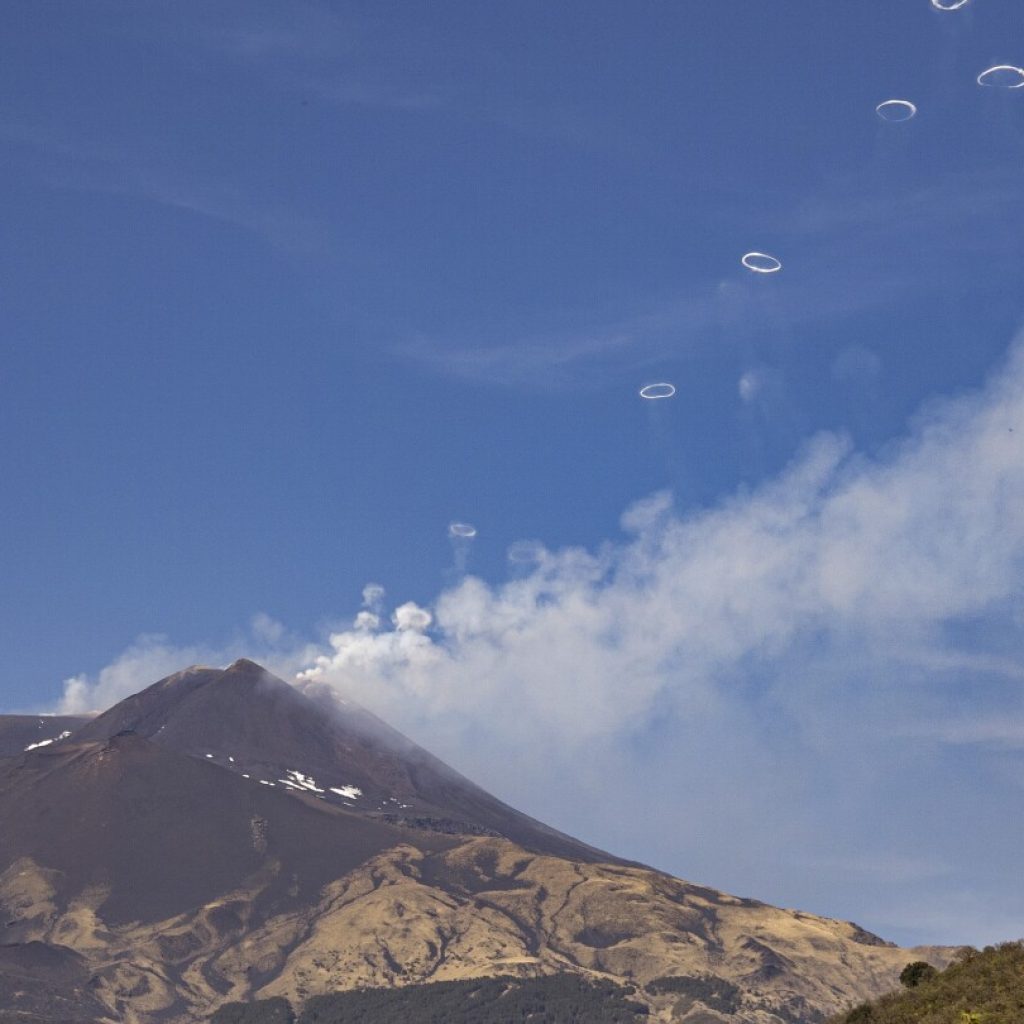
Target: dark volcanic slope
[[249, 721], [20, 731], [45, 984], [162, 833]]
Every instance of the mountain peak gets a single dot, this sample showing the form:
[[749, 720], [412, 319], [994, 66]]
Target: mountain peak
[[247, 667], [250, 722]]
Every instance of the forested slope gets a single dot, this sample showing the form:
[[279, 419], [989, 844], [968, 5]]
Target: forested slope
[[985, 987]]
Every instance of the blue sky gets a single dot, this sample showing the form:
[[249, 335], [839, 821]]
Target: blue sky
[[288, 288]]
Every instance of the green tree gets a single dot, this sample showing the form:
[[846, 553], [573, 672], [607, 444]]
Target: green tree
[[913, 974]]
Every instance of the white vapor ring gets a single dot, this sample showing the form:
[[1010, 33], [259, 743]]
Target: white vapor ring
[[1000, 72], [949, 5], [896, 110], [652, 392], [761, 263], [461, 530]]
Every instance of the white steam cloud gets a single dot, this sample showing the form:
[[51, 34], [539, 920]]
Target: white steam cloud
[[460, 536], [590, 643], [749, 385], [150, 658], [411, 618], [154, 656], [773, 674]]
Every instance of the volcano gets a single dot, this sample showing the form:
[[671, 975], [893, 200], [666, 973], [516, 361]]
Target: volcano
[[224, 836], [251, 723]]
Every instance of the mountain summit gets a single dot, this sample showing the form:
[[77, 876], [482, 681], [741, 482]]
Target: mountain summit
[[222, 836], [252, 723]]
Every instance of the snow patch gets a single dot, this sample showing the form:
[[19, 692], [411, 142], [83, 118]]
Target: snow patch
[[297, 780], [349, 792], [45, 743]]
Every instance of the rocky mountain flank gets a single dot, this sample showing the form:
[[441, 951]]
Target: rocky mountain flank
[[19, 733], [222, 836]]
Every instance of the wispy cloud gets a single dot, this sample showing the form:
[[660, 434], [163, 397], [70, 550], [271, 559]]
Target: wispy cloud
[[263, 32], [382, 63], [66, 162], [539, 363], [322, 54], [933, 206], [832, 269], [154, 656], [998, 731]]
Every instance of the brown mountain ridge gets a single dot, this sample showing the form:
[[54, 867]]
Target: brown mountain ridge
[[222, 836]]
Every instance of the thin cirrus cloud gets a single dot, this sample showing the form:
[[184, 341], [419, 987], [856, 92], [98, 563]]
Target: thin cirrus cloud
[[835, 240], [65, 161], [787, 653], [339, 59]]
